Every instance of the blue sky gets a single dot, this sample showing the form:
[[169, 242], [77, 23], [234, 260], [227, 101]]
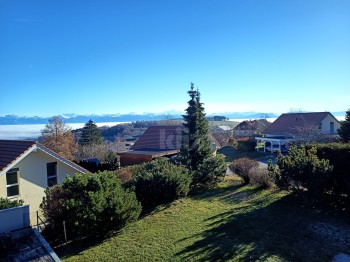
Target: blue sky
[[115, 56]]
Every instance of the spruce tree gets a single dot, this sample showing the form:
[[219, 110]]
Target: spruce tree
[[196, 145], [344, 130], [90, 135]]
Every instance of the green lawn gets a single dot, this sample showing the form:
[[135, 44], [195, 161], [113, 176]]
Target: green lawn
[[231, 222]]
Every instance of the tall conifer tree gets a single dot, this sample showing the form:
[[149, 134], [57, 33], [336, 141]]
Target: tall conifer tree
[[90, 135], [196, 145]]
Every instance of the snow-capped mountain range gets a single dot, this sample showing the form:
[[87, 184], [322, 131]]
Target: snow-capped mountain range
[[131, 117]]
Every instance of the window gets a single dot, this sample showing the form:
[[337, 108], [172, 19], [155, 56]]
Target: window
[[12, 184], [320, 125], [331, 127], [51, 173]]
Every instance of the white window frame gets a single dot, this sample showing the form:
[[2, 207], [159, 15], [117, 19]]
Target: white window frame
[[13, 170]]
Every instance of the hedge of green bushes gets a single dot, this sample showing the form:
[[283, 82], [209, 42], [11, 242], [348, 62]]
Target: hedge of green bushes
[[338, 155]]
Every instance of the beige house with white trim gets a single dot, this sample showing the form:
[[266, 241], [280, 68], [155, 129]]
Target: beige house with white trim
[[28, 168], [298, 126]]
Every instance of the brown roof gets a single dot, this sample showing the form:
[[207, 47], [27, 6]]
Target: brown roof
[[289, 124], [160, 138], [163, 138], [154, 154], [10, 150], [259, 125]]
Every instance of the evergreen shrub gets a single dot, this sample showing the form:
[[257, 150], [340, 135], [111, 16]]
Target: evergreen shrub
[[159, 182], [90, 204]]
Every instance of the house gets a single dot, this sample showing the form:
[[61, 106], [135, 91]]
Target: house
[[250, 128], [298, 126], [158, 141], [222, 134], [27, 168]]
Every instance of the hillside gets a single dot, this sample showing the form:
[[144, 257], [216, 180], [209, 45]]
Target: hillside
[[232, 222]]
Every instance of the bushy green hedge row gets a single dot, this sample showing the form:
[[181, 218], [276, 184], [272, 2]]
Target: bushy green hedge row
[[338, 155], [318, 172]]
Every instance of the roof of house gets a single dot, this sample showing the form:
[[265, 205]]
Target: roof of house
[[10, 150], [13, 151], [160, 138], [154, 154], [258, 125], [289, 124], [163, 138]]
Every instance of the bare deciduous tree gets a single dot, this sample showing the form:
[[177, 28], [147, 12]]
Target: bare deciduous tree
[[58, 137]]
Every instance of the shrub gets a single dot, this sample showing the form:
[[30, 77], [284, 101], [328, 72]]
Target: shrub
[[246, 145], [6, 203], [90, 204], [242, 167], [301, 171], [260, 177], [53, 205], [159, 182], [210, 172], [125, 175], [338, 155]]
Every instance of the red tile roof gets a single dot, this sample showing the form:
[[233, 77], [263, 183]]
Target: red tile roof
[[160, 138], [10, 150], [289, 124], [163, 138]]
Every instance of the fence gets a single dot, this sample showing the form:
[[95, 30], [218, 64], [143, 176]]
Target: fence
[[14, 218]]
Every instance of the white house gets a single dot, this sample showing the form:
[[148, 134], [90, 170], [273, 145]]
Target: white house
[[27, 168], [292, 126]]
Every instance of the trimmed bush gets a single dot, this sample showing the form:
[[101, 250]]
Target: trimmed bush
[[159, 182], [90, 204], [6, 203]]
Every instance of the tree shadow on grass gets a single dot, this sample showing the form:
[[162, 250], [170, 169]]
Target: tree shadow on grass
[[215, 192], [278, 230], [75, 247], [78, 245]]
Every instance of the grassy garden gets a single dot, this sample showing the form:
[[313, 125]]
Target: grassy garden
[[230, 222]]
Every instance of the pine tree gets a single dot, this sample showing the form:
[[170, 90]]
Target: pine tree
[[196, 145], [58, 137], [90, 135], [344, 130]]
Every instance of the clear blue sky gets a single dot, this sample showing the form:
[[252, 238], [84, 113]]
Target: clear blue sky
[[70, 56]]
